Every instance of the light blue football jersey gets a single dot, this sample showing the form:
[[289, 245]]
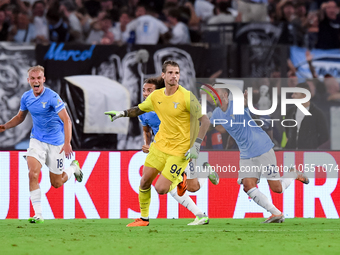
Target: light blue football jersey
[[150, 119], [44, 109], [251, 139]]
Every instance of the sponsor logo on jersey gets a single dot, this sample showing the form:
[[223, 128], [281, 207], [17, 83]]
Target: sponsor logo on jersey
[[59, 102]]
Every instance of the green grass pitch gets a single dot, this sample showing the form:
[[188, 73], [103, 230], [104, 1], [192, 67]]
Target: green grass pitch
[[167, 236]]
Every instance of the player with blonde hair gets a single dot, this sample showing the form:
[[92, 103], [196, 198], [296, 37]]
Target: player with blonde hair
[[50, 137]]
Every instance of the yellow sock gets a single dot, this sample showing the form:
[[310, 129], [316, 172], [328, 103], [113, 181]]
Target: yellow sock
[[144, 202]]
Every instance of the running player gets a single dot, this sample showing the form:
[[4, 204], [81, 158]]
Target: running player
[[256, 155], [50, 137], [174, 144], [151, 122]]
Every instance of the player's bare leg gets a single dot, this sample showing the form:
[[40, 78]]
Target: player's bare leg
[[193, 185], [162, 185], [275, 186], [34, 168], [149, 174], [57, 180]]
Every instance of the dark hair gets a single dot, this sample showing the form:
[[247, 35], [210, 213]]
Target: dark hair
[[38, 2], [53, 14], [225, 89], [70, 5], [223, 7], [168, 63], [146, 7], [124, 11], [175, 13], [335, 1], [303, 85], [289, 2], [169, 5], [107, 16], [157, 81]]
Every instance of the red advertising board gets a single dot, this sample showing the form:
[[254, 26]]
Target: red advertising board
[[111, 180]]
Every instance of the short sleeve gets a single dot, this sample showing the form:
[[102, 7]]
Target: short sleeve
[[193, 106], [162, 27], [142, 120], [147, 105], [57, 103], [23, 103]]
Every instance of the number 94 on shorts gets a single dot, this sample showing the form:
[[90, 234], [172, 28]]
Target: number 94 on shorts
[[171, 166]]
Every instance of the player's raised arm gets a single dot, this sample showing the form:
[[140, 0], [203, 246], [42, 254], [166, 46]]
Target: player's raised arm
[[132, 112], [15, 121]]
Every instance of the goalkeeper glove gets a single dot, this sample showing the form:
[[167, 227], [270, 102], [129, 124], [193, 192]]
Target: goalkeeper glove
[[194, 150], [115, 114]]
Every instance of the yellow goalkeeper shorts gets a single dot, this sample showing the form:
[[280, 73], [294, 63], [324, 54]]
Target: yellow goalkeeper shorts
[[171, 167]]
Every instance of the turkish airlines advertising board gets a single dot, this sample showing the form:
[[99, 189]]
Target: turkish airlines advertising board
[[111, 180]]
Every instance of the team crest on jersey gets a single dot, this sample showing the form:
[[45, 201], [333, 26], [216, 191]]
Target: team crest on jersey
[[44, 104], [175, 105]]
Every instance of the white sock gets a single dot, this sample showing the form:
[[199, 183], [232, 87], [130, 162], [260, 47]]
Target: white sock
[[260, 199], [36, 201], [287, 179], [186, 201], [201, 181], [69, 171]]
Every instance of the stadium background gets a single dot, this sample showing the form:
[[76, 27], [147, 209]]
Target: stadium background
[[112, 170]]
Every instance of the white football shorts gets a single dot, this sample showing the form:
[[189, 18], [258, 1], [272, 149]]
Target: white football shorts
[[190, 170], [264, 165], [47, 154]]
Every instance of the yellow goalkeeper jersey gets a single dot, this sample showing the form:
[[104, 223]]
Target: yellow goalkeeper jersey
[[179, 114]]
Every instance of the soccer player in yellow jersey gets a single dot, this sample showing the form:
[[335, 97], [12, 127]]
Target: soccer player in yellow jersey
[[177, 141]]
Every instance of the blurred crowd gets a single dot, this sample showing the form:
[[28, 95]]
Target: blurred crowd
[[153, 22], [159, 21]]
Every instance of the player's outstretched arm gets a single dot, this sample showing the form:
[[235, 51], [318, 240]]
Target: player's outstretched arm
[[132, 112], [15, 121]]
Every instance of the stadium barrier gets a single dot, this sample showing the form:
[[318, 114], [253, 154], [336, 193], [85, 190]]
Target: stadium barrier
[[111, 180]]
